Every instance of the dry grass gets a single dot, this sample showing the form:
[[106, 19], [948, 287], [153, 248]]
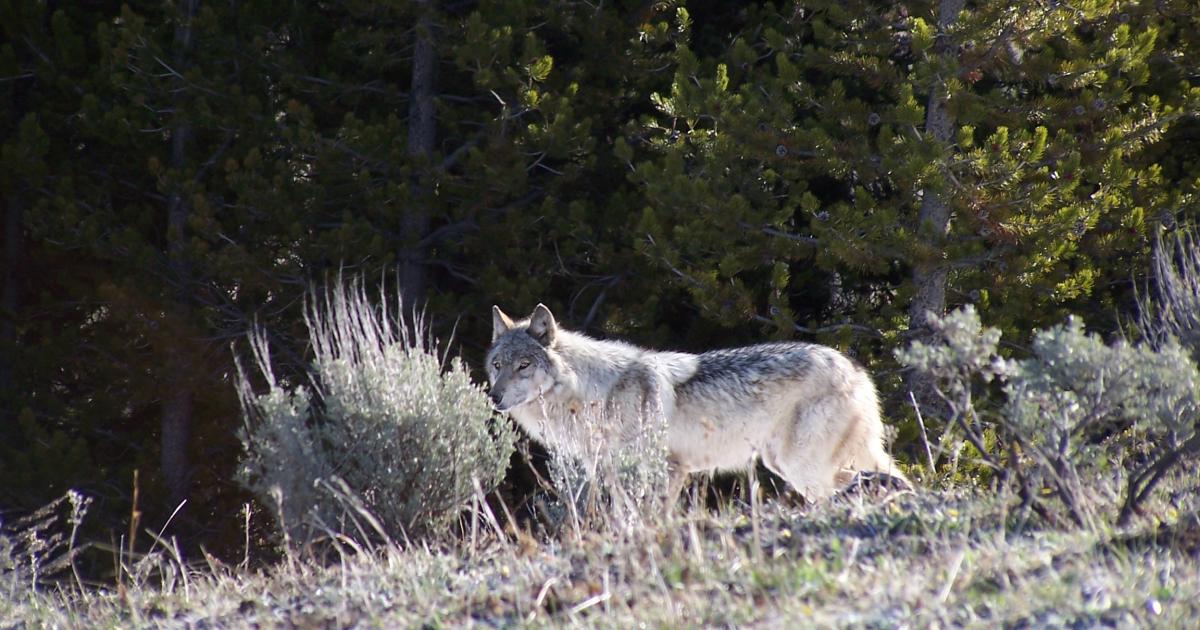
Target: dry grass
[[941, 557]]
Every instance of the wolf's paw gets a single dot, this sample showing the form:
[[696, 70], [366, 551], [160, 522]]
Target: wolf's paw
[[873, 483]]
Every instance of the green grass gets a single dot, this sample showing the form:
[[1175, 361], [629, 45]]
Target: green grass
[[935, 558]]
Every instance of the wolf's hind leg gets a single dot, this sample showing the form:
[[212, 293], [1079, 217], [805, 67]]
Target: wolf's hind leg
[[801, 451], [676, 477], [811, 482]]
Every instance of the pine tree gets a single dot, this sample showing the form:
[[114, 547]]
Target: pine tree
[[852, 162], [133, 114]]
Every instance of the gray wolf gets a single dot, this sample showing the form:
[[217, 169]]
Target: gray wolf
[[807, 410]]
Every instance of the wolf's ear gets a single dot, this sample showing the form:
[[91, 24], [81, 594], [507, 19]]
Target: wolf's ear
[[501, 323], [542, 326]]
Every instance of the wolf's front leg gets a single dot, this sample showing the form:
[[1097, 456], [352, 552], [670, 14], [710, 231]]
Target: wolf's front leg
[[676, 477]]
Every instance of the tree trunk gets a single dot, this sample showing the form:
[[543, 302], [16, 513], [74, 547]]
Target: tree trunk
[[933, 218], [177, 399], [422, 127], [10, 299]]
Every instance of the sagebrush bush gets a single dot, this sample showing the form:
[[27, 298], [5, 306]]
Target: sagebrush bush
[[389, 437], [1170, 317], [1083, 404], [962, 366], [1074, 407]]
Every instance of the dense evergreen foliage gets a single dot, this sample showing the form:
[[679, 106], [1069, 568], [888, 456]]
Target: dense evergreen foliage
[[683, 175]]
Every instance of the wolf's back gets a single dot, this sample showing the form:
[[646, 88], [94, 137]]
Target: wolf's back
[[744, 371]]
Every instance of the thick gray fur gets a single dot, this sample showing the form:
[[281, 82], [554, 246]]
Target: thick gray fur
[[807, 410]]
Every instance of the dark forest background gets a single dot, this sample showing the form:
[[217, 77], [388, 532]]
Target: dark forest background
[[680, 175]]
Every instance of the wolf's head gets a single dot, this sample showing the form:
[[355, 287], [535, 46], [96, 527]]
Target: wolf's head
[[521, 364]]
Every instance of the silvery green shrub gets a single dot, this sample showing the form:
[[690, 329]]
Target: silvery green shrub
[[1170, 316], [962, 364], [1075, 384], [389, 439], [1081, 404], [1075, 406]]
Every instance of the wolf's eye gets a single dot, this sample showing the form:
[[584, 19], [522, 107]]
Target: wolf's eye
[[496, 364], [524, 364]]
